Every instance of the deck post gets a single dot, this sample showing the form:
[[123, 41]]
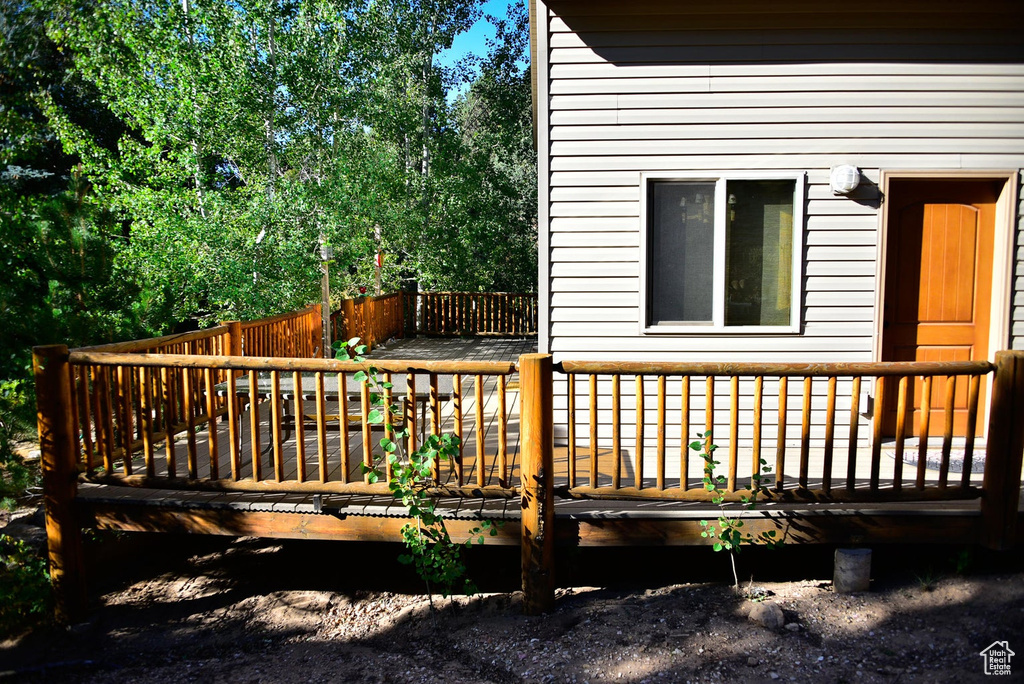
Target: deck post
[[234, 337], [322, 330], [537, 483], [1005, 447], [410, 297], [369, 322], [348, 317], [60, 479]]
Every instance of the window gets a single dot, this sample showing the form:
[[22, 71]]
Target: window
[[722, 254]]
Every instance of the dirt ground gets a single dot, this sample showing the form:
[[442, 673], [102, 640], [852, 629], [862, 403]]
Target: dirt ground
[[191, 609]]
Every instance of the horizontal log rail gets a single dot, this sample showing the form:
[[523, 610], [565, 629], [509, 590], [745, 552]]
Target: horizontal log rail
[[626, 429], [272, 424], [814, 370], [205, 342]]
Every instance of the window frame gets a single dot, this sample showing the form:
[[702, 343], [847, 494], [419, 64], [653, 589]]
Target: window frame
[[717, 325]]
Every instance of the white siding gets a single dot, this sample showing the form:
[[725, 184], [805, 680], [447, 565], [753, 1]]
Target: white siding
[[666, 86]]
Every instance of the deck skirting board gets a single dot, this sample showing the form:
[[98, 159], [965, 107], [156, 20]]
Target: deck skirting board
[[578, 522]]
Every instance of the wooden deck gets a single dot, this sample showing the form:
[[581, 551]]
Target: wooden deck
[[154, 435]]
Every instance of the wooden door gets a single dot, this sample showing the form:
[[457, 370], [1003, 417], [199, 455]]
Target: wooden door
[[938, 285]]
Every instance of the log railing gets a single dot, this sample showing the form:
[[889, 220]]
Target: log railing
[[272, 438], [373, 320], [209, 342], [118, 410], [296, 335], [476, 313], [626, 429], [113, 416]]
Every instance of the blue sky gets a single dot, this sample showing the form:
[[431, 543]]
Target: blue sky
[[474, 41]]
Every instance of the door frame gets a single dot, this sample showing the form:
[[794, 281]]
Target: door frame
[[1002, 267]]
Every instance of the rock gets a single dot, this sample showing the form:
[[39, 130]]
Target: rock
[[768, 615], [752, 661], [793, 626]]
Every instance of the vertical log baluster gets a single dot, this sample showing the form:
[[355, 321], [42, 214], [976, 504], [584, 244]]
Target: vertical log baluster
[[364, 417], [902, 406], [503, 433], [570, 390], [300, 435], [187, 399], [76, 436], [146, 407], [95, 387], [410, 408], [684, 432], [709, 408], [974, 390], [123, 377], [594, 451], [926, 414], [211, 424], [157, 395], [830, 432], [460, 475], [108, 419], [734, 426], [616, 435], [321, 427], [662, 383], [780, 444], [276, 419], [947, 432], [435, 422], [84, 410], [481, 430], [343, 412], [234, 438], [851, 452], [168, 377], [805, 432], [877, 431], [389, 430], [755, 452], [639, 468], [254, 427]]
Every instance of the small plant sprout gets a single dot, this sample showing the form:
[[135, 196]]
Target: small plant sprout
[[432, 552], [726, 534]]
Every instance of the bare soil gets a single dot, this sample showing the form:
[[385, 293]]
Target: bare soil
[[190, 609]]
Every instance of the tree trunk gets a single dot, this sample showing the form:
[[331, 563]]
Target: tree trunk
[[197, 151]]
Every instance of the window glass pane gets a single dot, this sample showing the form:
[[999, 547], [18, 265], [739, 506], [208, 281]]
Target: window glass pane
[[759, 252], [680, 254]]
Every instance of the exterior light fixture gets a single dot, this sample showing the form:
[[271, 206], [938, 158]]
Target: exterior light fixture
[[844, 179]]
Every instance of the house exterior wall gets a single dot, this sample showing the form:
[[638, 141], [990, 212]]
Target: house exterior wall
[[627, 88]]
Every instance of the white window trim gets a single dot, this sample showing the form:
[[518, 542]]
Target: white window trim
[[717, 326]]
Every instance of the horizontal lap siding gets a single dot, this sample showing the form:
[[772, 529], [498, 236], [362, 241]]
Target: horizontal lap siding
[[660, 86]]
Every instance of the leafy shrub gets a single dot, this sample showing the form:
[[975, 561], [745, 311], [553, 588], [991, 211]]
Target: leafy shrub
[[15, 476], [24, 585]]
